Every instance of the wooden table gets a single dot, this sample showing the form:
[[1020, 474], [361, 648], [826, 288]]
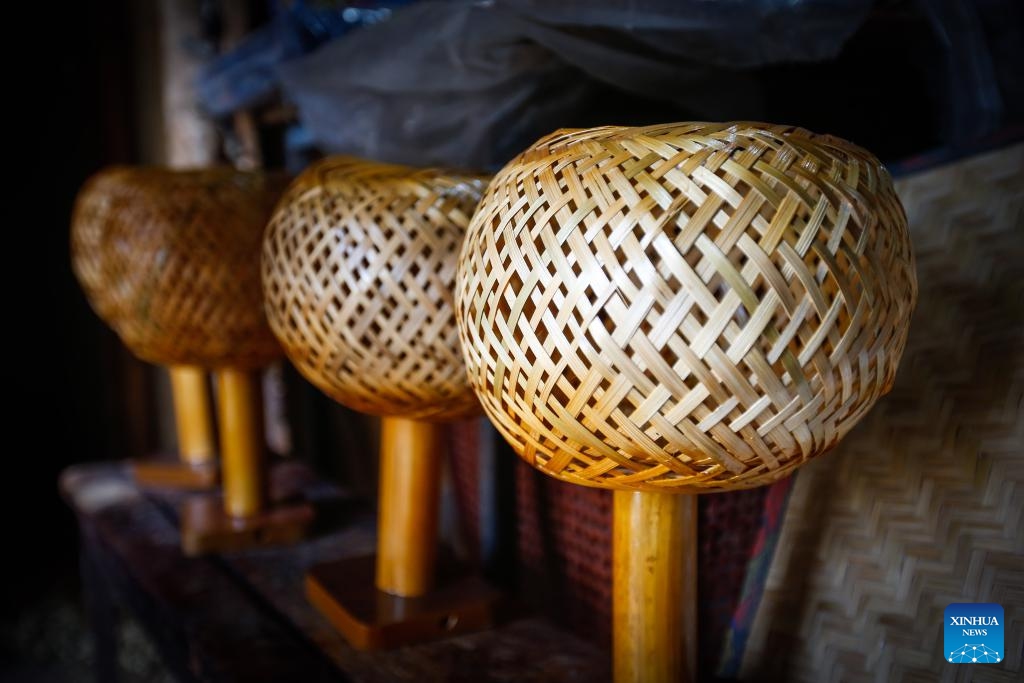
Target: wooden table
[[243, 617]]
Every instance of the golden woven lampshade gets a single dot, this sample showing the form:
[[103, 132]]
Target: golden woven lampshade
[[358, 274], [169, 259], [687, 307], [359, 268]]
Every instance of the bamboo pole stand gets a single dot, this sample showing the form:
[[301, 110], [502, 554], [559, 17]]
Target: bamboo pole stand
[[365, 312], [410, 489], [399, 597], [241, 517], [196, 464], [678, 309], [654, 587]]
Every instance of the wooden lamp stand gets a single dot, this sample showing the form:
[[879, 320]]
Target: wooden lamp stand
[[397, 597], [241, 517], [169, 259], [196, 464], [678, 309], [654, 586], [364, 310]]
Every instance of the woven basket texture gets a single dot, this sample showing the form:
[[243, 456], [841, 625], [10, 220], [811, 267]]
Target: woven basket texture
[[170, 260], [687, 307], [923, 505], [358, 274], [464, 445]]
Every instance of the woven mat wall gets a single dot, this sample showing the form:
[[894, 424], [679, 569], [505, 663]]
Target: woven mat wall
[[923, 504]]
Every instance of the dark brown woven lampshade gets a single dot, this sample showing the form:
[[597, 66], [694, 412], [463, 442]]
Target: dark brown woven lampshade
[[170, 260]]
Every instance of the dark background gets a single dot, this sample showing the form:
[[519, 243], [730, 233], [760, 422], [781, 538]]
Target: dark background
[[71, 97]]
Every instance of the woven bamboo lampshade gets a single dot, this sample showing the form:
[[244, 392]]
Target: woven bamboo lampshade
[[170, 260], [359, 270], [166, 259], [359, 273], [678, 309], [689, 307]]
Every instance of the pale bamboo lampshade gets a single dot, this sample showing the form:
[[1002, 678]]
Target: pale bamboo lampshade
[[358, 273], [359, 268], [686, 307], [169, 259]]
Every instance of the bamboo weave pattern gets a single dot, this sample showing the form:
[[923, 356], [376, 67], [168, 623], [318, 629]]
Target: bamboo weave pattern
[[684, 307], [924, 504], [358, 273], [170, 260]]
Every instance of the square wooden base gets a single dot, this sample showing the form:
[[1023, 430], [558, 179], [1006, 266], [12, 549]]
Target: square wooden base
[[168, 471], [370, 619], [207, 528]]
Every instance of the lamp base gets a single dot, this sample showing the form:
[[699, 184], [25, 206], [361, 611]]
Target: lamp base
[[207, 528], [345, 593], [168, 471]]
